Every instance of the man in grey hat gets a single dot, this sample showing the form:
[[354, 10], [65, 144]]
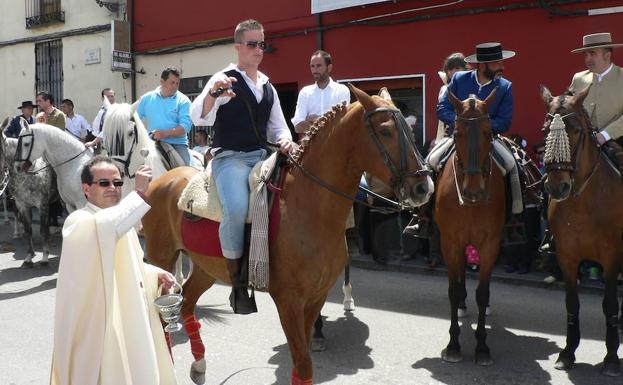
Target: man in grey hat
[[14, 127], [604, 102]]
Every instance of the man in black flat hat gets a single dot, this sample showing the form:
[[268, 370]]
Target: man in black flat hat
[[14, 128], [481, 81]]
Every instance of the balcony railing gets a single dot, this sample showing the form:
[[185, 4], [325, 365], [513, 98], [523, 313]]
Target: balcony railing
[[43, 12]]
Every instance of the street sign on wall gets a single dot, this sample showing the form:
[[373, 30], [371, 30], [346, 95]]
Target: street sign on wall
[[318, 6], [121, 55]]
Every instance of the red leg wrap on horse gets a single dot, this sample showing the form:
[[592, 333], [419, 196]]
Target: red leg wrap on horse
[[192, 327], [297, 381]]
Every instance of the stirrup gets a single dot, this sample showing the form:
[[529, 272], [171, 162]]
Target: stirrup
[[419, 227], [514, 234]]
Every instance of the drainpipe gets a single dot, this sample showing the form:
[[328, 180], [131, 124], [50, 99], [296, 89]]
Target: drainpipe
[[133, 65], [319, 42]]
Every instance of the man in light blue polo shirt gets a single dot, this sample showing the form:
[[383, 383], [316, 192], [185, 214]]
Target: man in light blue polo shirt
[[166, 111]]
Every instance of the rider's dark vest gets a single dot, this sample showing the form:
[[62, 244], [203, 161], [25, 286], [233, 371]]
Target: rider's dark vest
[[233, 127]]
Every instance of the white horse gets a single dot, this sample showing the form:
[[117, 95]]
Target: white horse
[[66, 155], [37, 188], [127, 141]]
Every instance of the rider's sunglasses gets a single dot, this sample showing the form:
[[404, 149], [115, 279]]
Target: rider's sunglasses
[[253, 44], [107, 182]]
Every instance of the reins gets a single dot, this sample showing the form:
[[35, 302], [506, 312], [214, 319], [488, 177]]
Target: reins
[[395, 206]]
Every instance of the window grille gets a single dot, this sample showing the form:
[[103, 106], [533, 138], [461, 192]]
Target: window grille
[[43, 12], [49, 68]]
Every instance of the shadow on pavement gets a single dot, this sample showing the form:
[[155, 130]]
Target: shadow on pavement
[[347, 352]]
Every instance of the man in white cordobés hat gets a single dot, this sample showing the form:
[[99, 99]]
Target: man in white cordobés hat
[[604, 102]]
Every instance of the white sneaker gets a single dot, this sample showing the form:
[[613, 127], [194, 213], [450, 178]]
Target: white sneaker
[[549, 279]]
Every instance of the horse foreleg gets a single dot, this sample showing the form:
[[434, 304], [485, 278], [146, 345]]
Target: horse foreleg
[[26, 216], [488, 254], [611, 364], [566, 358], [193, 288], [318, 341], [44, 230], [347, 289], [292, 317], [456, 292]]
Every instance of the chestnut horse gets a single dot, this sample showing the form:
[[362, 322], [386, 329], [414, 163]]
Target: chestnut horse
[[585, 215], [470, 209], [310, 250]]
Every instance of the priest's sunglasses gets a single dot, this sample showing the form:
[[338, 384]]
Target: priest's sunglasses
[[107, 182], [253, 44]]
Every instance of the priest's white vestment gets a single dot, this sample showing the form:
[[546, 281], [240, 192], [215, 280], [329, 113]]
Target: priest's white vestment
[[106, 329]]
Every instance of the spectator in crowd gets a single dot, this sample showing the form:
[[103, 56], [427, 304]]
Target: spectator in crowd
[[454, 62], [318, 98], [201, 142], [47, 112], [167, 113], [95, 137], [27, 108], [75, 124]]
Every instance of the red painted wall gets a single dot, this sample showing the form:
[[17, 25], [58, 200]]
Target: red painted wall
[[542, 43]]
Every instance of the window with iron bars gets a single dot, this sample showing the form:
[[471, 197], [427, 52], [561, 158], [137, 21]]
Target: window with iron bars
[[43, 12], [49, 68]]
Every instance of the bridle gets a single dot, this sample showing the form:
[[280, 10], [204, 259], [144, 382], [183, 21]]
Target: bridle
[[119, 146], [398, 173], [473, 154], [558, 156], [18, 153]]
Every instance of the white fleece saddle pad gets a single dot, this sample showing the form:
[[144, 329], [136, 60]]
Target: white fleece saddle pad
[[200, 196]]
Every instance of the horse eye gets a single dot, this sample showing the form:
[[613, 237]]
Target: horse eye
[[26, 144], [130, 133], [385, 132]]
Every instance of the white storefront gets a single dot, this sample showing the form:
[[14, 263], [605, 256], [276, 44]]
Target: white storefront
[[66, 49]]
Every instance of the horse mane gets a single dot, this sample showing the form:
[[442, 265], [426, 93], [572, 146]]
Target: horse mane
[[117, 117], [67, 140], [326, 122]]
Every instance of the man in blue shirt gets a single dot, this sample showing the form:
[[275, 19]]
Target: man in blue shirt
[[167, 112], [27, 107]]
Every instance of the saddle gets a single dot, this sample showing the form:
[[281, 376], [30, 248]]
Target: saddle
[[200, 198], [170, 158]]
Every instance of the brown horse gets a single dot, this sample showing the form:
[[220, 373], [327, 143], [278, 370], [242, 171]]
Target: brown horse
[[310, 250], [470, 209], [585, 215]]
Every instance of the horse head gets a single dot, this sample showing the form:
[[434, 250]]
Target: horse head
[[390, 152], [124, 137], [28, 148], [4, 172], [566, 127], [473, 141]]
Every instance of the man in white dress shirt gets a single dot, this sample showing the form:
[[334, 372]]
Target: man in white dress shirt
[[76, 124], [318, 98]]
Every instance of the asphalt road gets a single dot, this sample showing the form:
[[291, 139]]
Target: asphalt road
[[395, 335]]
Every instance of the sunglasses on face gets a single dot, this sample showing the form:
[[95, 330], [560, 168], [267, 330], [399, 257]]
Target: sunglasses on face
[[253, 44], [107, 182]]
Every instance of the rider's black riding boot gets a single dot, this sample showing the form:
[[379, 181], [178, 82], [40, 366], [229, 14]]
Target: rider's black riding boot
[[515, 231], [239, 298], [616, 151], [421, 224]]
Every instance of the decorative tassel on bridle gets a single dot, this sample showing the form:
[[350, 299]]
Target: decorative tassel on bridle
[[557, 148]]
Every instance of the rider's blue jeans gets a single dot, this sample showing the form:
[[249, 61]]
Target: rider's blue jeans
[[231, 173], [182, 149]]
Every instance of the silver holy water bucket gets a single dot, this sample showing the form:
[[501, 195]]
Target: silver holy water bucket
[[169, 306]]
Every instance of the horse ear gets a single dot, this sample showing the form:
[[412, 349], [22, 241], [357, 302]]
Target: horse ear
[[362, 97], [579, 98], [384, 93], [23, 123], [487, 102], [135, 106], [456, 103], [5, 124], [545, 95]]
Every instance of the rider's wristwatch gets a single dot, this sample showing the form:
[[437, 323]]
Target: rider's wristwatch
[[219, 91]]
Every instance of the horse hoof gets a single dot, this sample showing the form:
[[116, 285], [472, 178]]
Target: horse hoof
[[612, 368], [197, 371], [451, 356], [44, 263], [318, 344], [564, 363], [483, 358], [349, 304], [461, 312], [28, 264]]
